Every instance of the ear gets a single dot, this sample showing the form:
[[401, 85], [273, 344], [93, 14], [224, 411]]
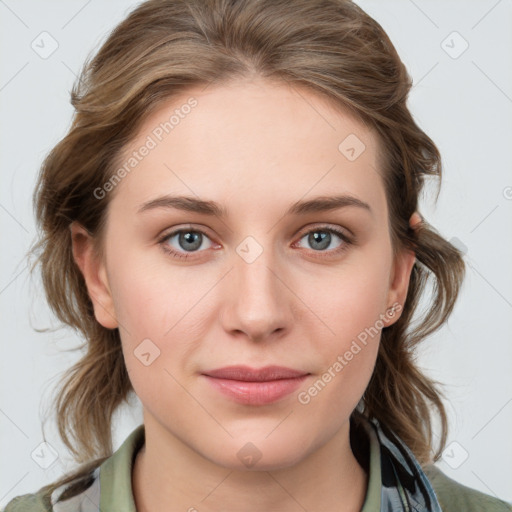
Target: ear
[[401, 273], [95, 275]]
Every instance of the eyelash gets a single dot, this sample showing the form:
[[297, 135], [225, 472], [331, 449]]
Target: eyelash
[[347, 241]]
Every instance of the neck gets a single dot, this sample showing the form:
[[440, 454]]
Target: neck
[[168, 475]]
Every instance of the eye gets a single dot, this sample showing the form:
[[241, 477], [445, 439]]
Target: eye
[[322, 238], [182, 243]]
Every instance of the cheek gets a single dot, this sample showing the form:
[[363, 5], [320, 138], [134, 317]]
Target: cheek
[[348, 351], [351, 306], [352, 298], [151, 298], [161, 311]]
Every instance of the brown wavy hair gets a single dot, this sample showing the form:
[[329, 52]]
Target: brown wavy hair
[[164, 47]]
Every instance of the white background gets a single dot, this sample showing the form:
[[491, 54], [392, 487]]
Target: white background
[[463, 103]]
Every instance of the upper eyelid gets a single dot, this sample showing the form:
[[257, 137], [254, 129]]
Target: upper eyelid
[[325, 227], [166, 233]]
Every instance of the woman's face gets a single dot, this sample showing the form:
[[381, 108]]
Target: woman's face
[[259, 279]]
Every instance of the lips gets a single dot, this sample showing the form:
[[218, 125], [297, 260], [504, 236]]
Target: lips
[[252, 386], [247, 374]]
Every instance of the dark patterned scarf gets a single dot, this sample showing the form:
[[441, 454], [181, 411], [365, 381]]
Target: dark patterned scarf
[[405, 487]]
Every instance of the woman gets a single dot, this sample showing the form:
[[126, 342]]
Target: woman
[[274, 356]]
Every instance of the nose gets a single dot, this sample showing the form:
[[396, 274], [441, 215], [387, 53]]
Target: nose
[[259, 304]]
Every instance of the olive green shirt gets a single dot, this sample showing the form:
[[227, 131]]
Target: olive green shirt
[[115, 483]]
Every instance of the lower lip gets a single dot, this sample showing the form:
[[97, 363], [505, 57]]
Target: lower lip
[[256, 393]]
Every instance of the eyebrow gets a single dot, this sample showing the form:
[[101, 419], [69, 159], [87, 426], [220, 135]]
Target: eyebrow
[[192, 204]]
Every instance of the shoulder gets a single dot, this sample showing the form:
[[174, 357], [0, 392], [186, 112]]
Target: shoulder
[[81, 494], [28, 503], [454, 497]]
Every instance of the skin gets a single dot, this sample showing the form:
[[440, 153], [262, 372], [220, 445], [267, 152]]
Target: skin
[[255, 148]]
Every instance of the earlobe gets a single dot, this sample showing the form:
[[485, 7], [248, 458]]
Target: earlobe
[[95, 276], [399, 284], [401, 275], [415, 220], [403, 269]]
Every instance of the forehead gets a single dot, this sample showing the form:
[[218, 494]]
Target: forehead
[[251, 137]]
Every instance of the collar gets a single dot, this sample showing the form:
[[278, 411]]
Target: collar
[[396, 481]]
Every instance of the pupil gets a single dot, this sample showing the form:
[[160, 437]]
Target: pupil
[[319, 237], [191, 238]]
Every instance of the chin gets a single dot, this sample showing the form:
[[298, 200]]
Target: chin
[[255, 453]]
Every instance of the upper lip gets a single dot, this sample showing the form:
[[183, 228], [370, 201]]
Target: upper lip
[[246, 373]]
